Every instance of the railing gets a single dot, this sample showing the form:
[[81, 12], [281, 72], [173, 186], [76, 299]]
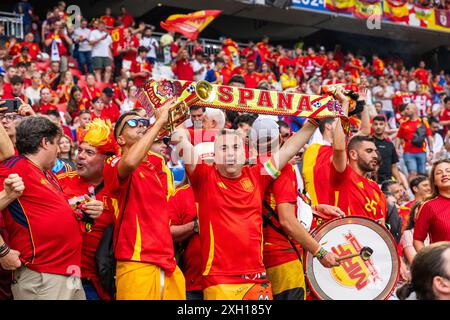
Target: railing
[[13, 24], [210, 46]]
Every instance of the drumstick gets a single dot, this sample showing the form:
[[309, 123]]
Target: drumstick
[[365, 253]]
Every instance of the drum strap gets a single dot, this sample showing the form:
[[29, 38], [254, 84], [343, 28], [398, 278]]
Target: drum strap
[[271, 213]]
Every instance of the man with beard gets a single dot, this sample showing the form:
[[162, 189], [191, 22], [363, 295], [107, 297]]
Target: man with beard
[[95, 145], [354, 192]]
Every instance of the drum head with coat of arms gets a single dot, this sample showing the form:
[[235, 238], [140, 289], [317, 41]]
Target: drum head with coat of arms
[[354, 279]]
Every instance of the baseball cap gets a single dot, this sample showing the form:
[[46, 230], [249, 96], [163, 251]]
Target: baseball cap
[[109, 92], [264, 129]]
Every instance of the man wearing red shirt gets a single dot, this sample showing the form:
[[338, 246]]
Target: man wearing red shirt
[[283, 262], [146, 268], [240, 69], [377, 66], [184, 228], [285, 60], [251, 77], [444, 116], [402, 96], [108, 19], [184, 70], [88, 179], [120, 91], [117, 38], [128, 48], [45, 232], [263, 48], [33, 47], [111, 110], [141, 69], [330, 64], [421, 73], [354, 66], [354, 192], [127, 19], [230, 212], [414, 156], [90, 91]]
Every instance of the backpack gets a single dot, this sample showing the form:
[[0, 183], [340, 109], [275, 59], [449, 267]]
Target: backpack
[[104, 256], [419, 135], [394, 222], [105, 261]]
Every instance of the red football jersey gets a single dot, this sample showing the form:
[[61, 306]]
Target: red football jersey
[[182, 210], [406, 132], [230, 218], [433, 220], [41, 225], [277, 249], [357, 195], [75, 188], [142, 230]]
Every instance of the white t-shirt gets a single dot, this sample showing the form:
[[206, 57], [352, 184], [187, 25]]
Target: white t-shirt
[[386, 102], [196, 66], [33, 94], [101, 48], [84, 45], [149, 43]]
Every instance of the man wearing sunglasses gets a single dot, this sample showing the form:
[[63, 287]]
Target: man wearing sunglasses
[[146, 268]]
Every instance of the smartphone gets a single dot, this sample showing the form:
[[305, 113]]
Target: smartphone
[[12, 105]]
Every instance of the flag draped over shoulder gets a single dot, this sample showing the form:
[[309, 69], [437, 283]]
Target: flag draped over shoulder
[[340, 5], [366, 8], [191, 24], [396, 10], [316, 173]]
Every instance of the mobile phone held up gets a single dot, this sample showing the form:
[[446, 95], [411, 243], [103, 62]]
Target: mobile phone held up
[[12, 105]]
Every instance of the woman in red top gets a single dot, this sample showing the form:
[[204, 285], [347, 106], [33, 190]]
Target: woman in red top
[[434, 215]]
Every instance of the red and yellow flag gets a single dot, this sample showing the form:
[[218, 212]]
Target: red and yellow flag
[[191, 24], [367, 8], [340, 5], [316, 173], [396, 10]]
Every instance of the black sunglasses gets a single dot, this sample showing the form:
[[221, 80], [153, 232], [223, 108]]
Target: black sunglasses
[[133, 123]]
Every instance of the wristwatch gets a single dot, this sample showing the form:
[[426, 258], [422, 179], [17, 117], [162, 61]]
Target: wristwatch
[[196, 230]]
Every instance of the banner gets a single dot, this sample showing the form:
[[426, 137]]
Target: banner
[[340, 5], [396, 10], [367, 8], [154, 92], [440, 20], [190, 25]]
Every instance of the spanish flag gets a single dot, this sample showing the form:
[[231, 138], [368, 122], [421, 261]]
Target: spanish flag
[[316, 173], [396, 10], [191, 24], [366, 8], [340, 5]]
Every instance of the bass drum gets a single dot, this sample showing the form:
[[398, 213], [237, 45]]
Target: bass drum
[[354, 279]]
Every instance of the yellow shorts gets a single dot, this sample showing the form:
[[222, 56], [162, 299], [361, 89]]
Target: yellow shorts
[[243, 291], [288, 281], [144, 281]]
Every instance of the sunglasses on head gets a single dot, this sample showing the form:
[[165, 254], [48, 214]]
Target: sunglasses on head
[[133, 123]]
